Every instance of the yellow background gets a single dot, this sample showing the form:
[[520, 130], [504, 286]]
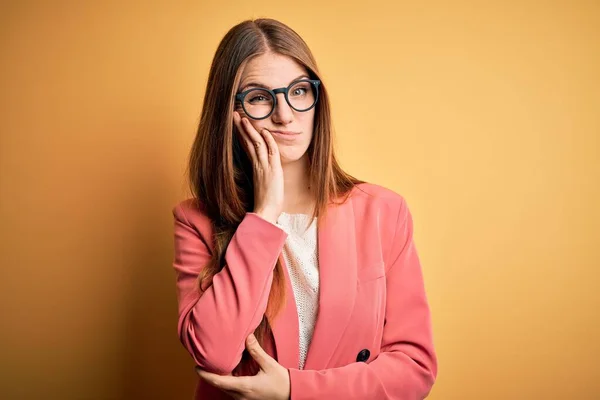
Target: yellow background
[[484, 115]]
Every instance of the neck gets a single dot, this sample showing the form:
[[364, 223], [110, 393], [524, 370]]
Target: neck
[[297, 194]]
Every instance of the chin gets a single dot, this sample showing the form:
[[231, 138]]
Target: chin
[[288, 157]]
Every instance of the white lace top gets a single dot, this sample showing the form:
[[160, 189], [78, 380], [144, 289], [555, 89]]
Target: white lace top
[[300, 253]]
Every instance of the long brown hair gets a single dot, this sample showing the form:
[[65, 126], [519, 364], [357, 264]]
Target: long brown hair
[[220, 172]]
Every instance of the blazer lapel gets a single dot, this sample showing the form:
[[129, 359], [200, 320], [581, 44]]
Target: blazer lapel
[[336, 246], [285, 326]]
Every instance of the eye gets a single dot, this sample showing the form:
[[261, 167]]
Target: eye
[[299, 91], [257, 98]]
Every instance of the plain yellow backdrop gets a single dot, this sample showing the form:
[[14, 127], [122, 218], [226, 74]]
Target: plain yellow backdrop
[[484, 115]]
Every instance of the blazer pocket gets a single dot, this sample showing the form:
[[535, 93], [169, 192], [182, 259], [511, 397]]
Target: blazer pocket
[[371, 272]]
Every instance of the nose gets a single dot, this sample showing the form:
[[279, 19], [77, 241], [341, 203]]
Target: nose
[[283, 113]]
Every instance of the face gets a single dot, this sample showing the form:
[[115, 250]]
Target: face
[[291, 129]]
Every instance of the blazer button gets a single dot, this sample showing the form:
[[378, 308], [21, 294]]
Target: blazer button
[[363, 355]]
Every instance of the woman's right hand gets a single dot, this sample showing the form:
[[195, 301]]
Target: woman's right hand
[[268, 174]]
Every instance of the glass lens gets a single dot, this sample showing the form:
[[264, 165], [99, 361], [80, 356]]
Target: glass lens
[[302, 96], [258, 103]]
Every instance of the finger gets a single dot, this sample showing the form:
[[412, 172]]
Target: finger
[[247, 142], [260, 356], [225, 382], [234, 394], [260, 146], [271, 143]]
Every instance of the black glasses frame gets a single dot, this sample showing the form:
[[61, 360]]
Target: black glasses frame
[[242, 96]]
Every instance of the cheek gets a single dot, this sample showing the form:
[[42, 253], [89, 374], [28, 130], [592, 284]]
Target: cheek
[[258, 125], [307, 120]]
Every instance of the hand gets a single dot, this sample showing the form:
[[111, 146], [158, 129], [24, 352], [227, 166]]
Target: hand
[[271, 383], [268, 174]]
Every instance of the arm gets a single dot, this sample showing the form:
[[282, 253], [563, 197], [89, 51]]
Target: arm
[[406, 367], [213, 327]]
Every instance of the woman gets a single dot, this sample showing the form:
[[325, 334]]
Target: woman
[[294, 279]]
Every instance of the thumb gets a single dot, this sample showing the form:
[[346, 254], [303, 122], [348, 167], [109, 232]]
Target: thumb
[[257, 352]]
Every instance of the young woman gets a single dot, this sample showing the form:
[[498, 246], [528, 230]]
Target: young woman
[[294, 279]]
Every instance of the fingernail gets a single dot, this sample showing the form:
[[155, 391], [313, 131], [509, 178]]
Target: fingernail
[[197, 369]]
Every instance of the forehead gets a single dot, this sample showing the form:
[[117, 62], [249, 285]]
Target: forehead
[[272, 70]]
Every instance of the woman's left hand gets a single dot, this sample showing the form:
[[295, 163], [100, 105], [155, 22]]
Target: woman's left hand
[[271, 383]]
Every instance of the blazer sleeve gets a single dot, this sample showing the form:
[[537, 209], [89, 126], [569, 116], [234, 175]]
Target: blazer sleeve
[[213, 326], [406, 367]]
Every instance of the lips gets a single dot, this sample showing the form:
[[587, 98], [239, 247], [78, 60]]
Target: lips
[[285, 136], [285, 133]]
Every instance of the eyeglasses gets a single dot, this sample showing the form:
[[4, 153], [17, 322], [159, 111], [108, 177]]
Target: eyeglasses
[[259, 103]]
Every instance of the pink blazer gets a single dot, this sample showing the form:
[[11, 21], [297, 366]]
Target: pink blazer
[[373, 336]]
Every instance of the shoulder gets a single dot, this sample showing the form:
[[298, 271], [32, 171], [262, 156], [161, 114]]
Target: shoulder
[[368, 195], [377, 204], [383, 213], [192, 212]]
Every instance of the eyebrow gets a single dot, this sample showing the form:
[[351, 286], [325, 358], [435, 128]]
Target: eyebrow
[[262, 85]]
